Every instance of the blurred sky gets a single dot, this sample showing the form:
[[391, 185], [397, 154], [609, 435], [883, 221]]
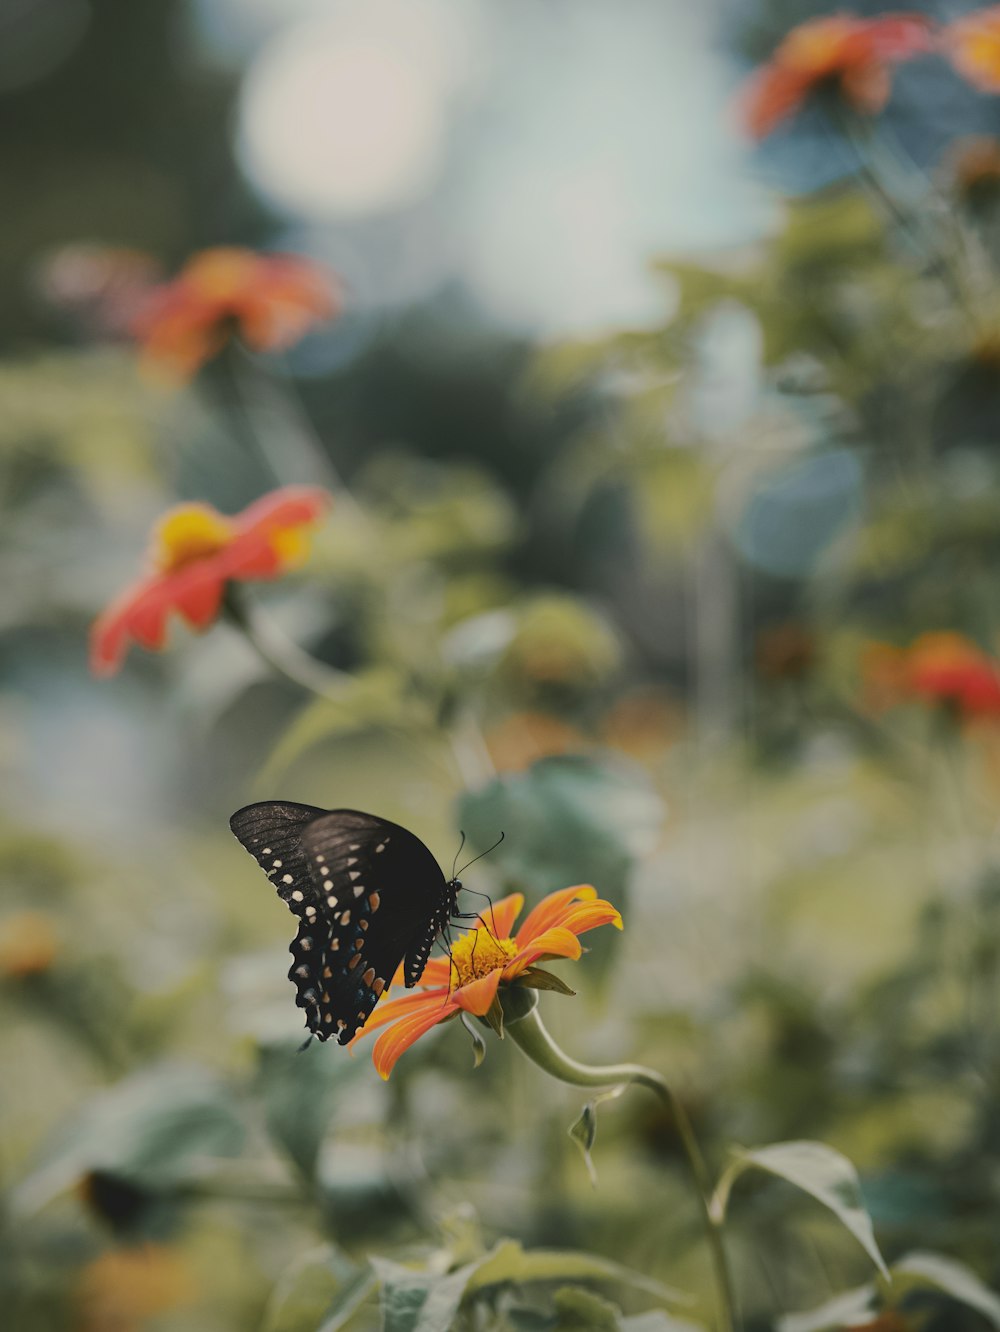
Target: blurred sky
[[537, 153]]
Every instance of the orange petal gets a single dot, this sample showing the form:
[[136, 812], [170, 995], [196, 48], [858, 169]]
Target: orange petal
[[549, 909], [556, 942], [401, 1035], [111, 630], [197, 593], [436, 972], [403, 1006], [499, 920], [589, 915], [477, 996]]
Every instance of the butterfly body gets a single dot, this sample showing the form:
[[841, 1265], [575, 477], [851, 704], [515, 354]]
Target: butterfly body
[[368, 896]]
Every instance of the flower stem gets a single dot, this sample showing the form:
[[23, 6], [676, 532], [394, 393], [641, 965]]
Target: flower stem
[[281, 654], [529, 1032]]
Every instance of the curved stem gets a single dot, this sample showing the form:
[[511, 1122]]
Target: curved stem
[[281, 654], [529, 1032]]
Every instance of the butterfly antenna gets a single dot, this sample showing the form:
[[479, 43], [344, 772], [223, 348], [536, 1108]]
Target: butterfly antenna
[[480, 856], [454, 873], [305, 1044]]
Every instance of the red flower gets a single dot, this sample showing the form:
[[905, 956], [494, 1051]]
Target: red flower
[[270, 300], [973, 44], [481, 960], [849, 54], [195, 552], [942, 668]]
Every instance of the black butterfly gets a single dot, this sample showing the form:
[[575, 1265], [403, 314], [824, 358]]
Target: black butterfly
[[368, 895]]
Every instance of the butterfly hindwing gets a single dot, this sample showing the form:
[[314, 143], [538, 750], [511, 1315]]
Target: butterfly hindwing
[[367, 893]]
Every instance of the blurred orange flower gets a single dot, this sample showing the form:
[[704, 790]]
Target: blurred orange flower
[[484, 958], [270, 300], [196, 551], [944, 668], [839, 51], [123, 1288], [973, 44], [28, 944]]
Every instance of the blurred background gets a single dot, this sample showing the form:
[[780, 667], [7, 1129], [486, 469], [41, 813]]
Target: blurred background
[[665, 539]]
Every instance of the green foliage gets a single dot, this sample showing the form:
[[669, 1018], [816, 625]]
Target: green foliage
[[818, 1170]]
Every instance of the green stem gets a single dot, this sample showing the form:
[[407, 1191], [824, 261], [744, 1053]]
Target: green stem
[[281, 654], [527, 1030]]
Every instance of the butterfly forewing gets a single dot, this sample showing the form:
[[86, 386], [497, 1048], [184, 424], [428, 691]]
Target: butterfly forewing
[[372, 894]]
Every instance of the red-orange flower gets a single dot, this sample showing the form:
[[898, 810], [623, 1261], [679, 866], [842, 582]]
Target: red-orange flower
[[973, 44], [839, 51], [484, 958], [270, 300], [944, 668], [196, 551]]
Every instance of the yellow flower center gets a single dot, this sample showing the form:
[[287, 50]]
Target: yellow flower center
[[476, 954], [189, 533]]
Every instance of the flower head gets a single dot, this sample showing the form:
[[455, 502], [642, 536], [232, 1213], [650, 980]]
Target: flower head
[[270, 300], [941, 668], [973, 44], [482, 960], [196, 551], [839, 51]]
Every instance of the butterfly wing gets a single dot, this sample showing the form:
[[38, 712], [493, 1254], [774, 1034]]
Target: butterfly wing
[[367, 893], [386, 900]]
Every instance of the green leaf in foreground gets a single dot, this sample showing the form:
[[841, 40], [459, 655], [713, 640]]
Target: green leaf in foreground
[[841, 1311], [923, 1269], [818, 1170]]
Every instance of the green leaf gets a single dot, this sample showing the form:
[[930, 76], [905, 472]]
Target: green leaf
[[159, 1129], [576, 819], [535, 978], [420, 1301], [478, 1044], [509, 1262], [494, 1016], [583, 1131], [348, 1302], [582, 1311], [319, 1285], [842, 1310], [818, 1170], [922, 1268]]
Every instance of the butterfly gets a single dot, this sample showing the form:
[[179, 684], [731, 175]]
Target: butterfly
[[369, 895]]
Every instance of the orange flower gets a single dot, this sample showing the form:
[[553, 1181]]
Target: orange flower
[[840, 51], [270, 300], [195, 552], [943, 668], [484, 958], [123, 1288], [973, 44]]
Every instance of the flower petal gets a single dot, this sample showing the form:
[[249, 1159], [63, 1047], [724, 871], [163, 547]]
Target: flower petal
[[405, 1005], [589, 915], [499, 920], [436, 972], [401, 1035], [549, 909], [556, 942], [477, 996]]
